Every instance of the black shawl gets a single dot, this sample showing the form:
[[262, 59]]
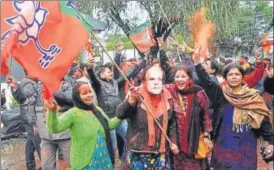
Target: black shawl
[[195, 120]]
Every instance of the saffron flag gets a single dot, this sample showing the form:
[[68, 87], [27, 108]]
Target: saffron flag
[[267, 41], [68, 7], [142, 37], [42, 39]]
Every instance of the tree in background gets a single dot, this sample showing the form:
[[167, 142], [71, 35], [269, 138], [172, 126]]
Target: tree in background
[[239, 24]]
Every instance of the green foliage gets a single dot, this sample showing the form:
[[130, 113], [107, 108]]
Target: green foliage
[[114, 39], [179, 38]]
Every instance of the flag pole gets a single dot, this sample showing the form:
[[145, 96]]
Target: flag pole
[[140, 98], [10, 65], [10, 69]]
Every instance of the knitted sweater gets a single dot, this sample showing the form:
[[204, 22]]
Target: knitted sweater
[[83, 129]]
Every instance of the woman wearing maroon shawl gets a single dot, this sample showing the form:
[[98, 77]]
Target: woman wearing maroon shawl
[[192, 120]]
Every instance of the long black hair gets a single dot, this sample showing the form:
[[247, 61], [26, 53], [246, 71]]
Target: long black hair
[[186, 69], [231, 66], [81, 105]]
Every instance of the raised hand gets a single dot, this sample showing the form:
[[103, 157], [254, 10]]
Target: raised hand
[[133, 94], [11, 82], [91, 62], [258, 55], [51, 105], [160, 29], [120, 48]]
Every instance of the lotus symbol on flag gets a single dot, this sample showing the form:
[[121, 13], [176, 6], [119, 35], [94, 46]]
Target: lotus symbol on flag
[[28, 23], [146, 38]]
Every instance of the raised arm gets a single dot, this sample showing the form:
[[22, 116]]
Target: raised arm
[[25, 94], [253, 79], [96, 84], [57, 124], [213, 90], [128, 107], [117, 60], [132, 73], [138, 68], [166, 67]]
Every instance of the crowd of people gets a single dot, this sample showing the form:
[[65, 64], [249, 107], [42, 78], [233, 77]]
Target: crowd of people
[[161, 116]]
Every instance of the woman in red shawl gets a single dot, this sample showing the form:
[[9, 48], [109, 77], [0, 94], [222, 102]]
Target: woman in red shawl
[[192, 120]]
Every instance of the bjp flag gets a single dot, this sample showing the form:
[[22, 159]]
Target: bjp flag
[[267, 41], [142, 37], [42, 39]]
